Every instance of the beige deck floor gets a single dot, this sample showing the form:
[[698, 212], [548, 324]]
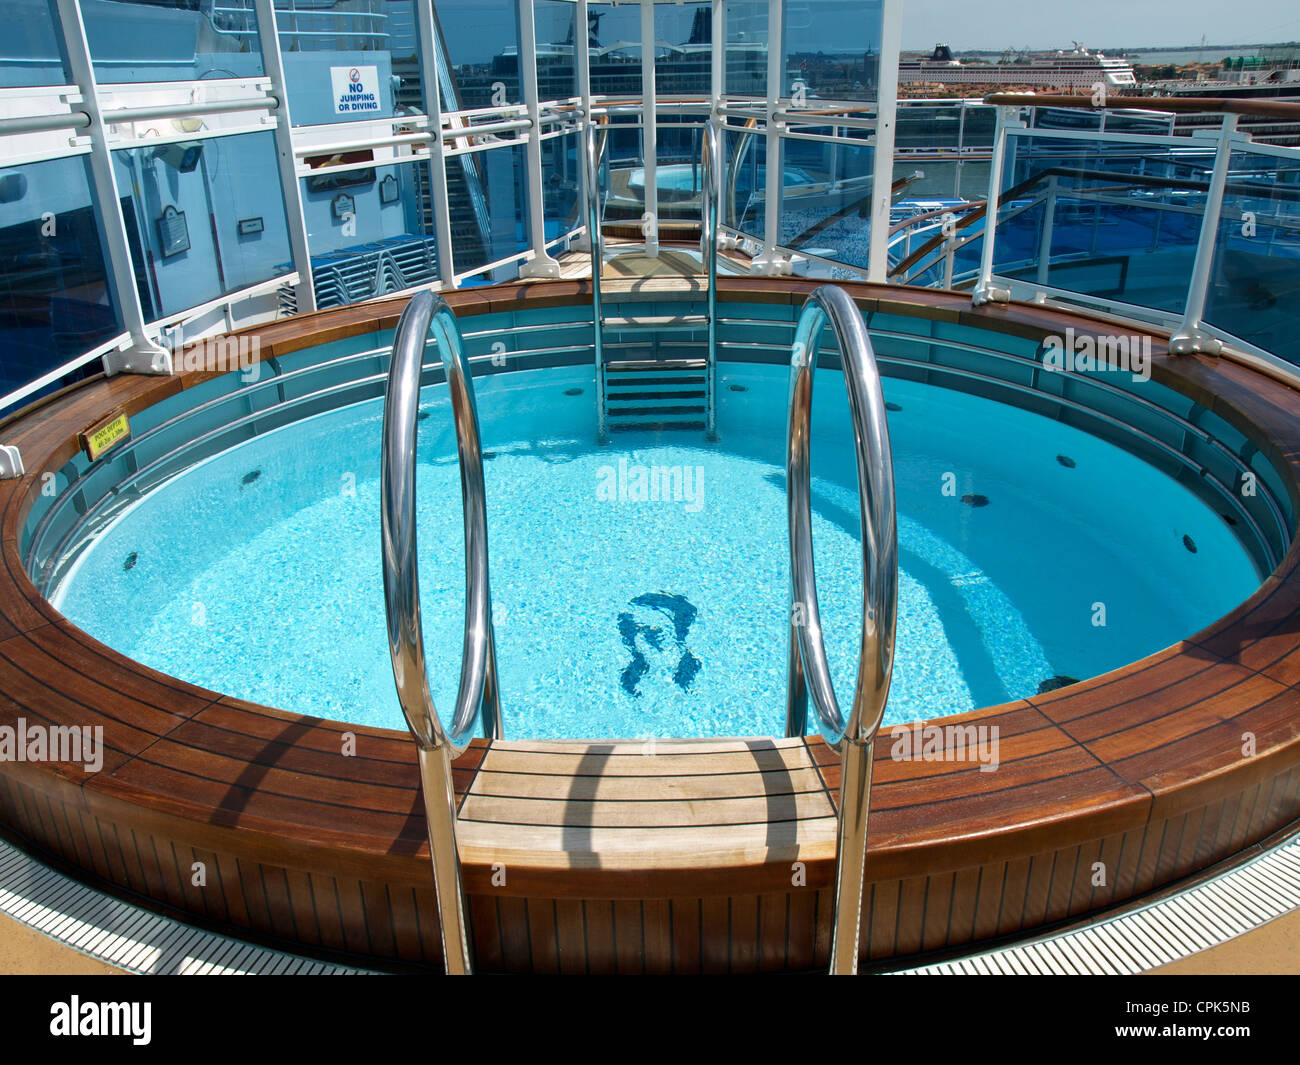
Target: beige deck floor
[[24, 952], [1273, 949]]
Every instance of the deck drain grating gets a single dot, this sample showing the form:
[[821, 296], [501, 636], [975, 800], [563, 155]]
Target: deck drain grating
[[1204, 916]]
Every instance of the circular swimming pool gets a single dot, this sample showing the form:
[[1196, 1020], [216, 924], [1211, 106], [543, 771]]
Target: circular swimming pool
[[641, 588]]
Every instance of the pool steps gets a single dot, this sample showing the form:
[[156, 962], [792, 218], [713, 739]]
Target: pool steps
[[649, 394], [656, 394]]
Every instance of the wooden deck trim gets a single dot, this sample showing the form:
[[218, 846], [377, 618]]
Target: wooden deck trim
[[1094, 768]]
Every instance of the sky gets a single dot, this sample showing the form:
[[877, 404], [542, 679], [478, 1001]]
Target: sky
[[998, 24]]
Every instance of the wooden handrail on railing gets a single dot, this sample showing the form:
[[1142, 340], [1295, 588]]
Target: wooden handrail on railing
[[1184, 104]]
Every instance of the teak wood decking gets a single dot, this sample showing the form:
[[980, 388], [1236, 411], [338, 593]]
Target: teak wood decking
[[693, 855]]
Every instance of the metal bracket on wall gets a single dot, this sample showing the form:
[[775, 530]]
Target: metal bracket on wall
[[142, 356], [1193, 342]]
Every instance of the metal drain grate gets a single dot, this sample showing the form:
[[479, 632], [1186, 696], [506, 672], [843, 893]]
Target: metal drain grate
[[1203, 916], [129, 937]]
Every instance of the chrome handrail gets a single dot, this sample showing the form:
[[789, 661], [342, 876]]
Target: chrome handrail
[[809, 671], [477, 697], [591, 162], [709, 253]]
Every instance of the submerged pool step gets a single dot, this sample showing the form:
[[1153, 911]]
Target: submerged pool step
[[642, 410], [657, 321], [654, 365], [666, 394], [654, 395], [645, 426], [683, 380]]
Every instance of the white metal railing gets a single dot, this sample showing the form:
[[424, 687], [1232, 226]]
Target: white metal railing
[[1190, 331], [431, 138]]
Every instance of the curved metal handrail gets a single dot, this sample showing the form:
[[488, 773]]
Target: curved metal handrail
[[809, 671], [711, 150], [477, 697], [591, 168]]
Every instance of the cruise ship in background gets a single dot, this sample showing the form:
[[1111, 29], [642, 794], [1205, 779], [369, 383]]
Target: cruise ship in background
[[1076, 69]]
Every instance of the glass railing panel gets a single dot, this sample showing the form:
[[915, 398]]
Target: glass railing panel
[[1255, 279], [501, 231], [134, 41], [204, 218], [562, 184], [745, 53], [351, 61], [481, 38], [370, 231], [32, 50], [979, 126], [683, 49], [1117, 122], [1113, 220], [556, 31], [56, 299], [744, 181], [928, 127], [615, 43], [679, 171], [832, 48], [623, 168], [826, 198]]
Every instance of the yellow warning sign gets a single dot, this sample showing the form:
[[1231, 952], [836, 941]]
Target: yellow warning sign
[[105, 436]]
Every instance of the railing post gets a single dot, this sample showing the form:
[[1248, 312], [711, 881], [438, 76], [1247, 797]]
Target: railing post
[[1049, 228], [591, 167], [1189, 337], [851, 846], [718, 56], [985, 291], [430, 81], [541, 264], [583, 242], [649, 130], [273, 64], [768, 261], [883, 144], [961, 150], [709, 252], [143, 354], [718, 88]]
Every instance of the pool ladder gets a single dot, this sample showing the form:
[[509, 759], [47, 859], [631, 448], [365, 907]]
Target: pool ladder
[[808, 672], [657, 392], [477, 699]]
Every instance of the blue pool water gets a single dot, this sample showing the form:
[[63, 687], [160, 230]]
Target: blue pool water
[[257, 573]]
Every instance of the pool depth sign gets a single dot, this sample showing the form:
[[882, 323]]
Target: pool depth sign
[[356, 90], [105, 435]]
